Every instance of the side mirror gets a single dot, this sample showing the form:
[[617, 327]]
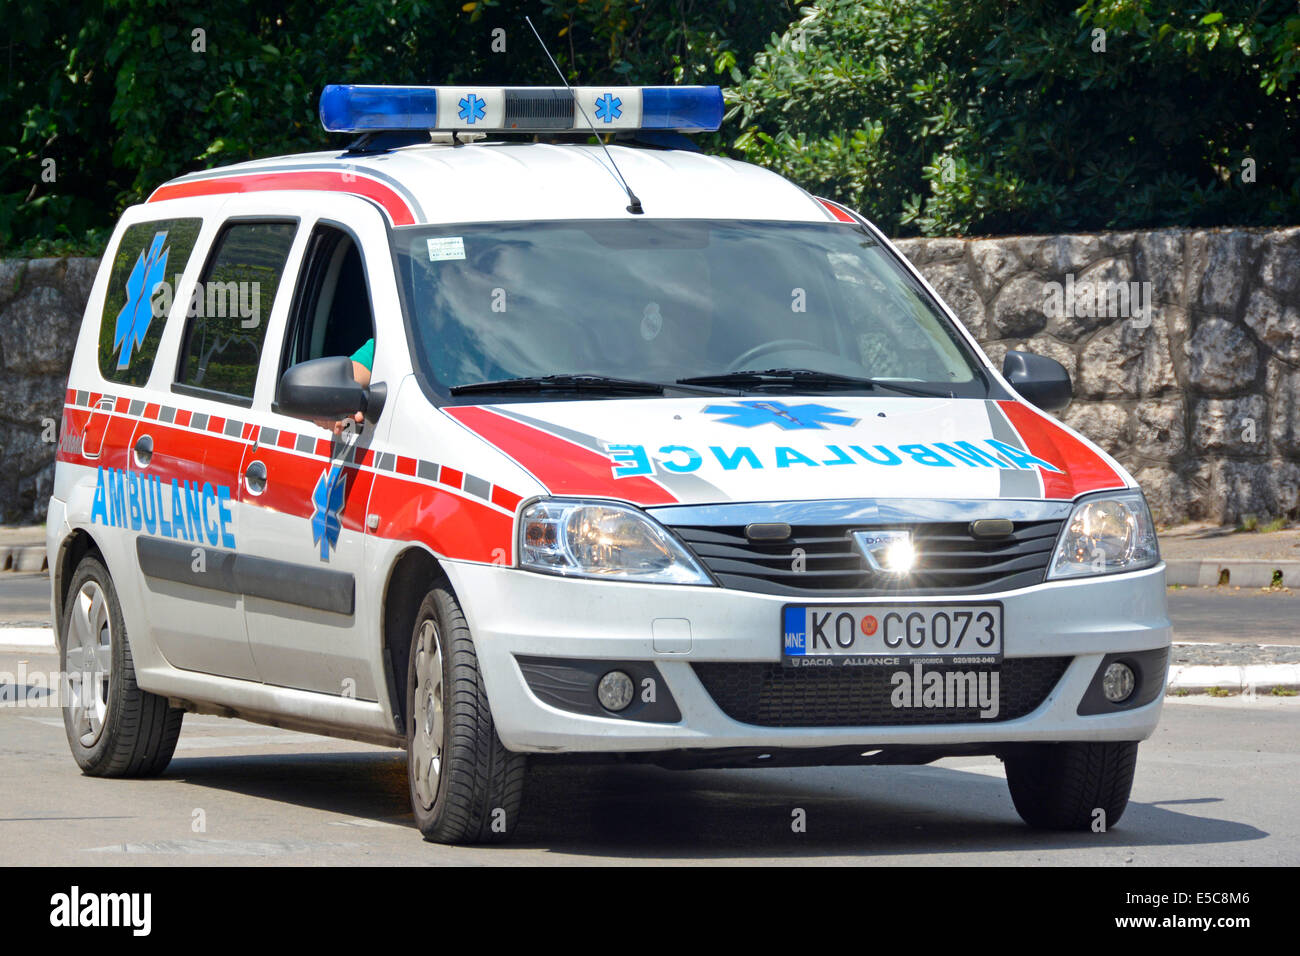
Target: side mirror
[[326, 388], [1038, 379]]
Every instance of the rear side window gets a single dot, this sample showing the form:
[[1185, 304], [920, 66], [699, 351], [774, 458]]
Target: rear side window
[[146, 265], [231, 307]]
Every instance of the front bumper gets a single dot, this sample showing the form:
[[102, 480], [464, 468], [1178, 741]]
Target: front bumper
[[514, 614]]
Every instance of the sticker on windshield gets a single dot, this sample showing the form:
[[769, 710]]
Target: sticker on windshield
[[651, 322], [449, 247]]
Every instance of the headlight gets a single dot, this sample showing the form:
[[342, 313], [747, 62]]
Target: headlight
[[603, 540], [1106, 533]]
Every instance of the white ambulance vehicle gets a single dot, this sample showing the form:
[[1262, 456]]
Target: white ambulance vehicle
[[658, 457]]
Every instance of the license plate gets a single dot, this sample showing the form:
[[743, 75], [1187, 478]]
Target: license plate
[[886, 634]]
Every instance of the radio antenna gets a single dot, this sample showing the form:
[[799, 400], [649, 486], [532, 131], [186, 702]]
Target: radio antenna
[[634, 204]]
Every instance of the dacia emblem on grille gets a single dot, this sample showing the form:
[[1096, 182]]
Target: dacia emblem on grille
[[890, 552]]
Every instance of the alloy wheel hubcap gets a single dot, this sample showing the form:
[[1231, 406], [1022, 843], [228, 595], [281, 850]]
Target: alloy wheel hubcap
[[426, 744], [89, 662]]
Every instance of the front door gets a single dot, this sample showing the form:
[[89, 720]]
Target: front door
[[305, 491]]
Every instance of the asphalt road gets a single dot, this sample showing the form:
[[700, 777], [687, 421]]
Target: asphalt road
[[24, 599], [1215, 786], [1233, 615]]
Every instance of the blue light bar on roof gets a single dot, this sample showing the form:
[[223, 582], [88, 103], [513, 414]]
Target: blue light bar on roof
[[519, 109]]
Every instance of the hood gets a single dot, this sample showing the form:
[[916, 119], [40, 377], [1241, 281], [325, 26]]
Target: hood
[[717, 449]]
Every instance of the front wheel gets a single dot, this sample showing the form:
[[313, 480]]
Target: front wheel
[[114, 728], [465, 786], [1072, 786]]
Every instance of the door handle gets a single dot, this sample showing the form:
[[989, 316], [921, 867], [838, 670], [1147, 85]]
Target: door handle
[[143, 450], [255, 478]]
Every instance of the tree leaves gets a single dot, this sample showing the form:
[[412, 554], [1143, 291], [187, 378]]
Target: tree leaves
[[987, 117], [135, 105]]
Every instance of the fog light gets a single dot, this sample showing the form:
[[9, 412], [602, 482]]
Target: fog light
[[615, 691], [1118, 682]]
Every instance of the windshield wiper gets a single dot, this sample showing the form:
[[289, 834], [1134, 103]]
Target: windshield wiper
[[804, 378], [567, 383]]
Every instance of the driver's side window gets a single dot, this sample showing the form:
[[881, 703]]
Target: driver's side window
[[332, 313], [884, 324]]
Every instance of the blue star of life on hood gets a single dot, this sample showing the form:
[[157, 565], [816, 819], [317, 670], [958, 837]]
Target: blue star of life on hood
[[133, 321], [788, 417], [609, 108], [327, 500]]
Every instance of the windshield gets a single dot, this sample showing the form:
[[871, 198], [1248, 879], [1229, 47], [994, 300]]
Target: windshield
[[662, 301]]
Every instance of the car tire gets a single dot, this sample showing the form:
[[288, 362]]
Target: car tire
[[1062, 786], [114, 728], [465, 786]]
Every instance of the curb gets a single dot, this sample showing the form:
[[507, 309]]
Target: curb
[[18, 639], [1246, 679], [22, 557], [1241, 572]]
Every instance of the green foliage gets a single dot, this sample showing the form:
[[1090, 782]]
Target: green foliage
[[953, 117], [124, 95], [936, 116]]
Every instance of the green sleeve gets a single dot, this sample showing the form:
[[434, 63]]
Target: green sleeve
[[366, 355]]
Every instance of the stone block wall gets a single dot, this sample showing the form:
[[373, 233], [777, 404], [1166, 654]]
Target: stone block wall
[[41, 304], [1196, 394]]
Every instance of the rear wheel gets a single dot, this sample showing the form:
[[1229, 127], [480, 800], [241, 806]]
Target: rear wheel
[[1063, 786], [465, 786], [114, 728]]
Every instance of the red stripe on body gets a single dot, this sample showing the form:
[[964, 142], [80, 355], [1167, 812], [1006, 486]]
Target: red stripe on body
[[114, 449], [292, 478], [449, 524], [191, 456], [564, 467], [505, 499], [409, 511], [355, 183], [1083, 469], [74, 420], [836, 211]]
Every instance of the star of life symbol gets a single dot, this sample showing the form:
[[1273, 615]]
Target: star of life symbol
[[471, 109], [609, 108], [133, 321], [788, 417], [327, 503]]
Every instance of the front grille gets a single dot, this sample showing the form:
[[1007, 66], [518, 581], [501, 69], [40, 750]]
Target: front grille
[[771, 695], [822, 559]]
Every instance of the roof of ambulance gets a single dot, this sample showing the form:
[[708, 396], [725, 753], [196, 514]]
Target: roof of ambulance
[[502, 181]]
